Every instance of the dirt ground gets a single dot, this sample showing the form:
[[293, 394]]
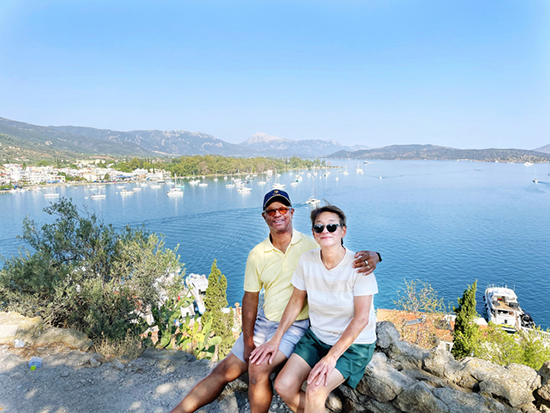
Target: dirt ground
[[67, 383]]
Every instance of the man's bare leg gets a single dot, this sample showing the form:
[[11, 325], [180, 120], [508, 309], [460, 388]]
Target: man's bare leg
[[260, 392], [209, 388]]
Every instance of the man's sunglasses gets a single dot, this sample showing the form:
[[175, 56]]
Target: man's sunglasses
[[282, 211], [318, 228]]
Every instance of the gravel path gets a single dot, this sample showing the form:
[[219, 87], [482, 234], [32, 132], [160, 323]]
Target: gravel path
[[67, 382]]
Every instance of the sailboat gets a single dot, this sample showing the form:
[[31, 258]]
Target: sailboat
[[312, 201]]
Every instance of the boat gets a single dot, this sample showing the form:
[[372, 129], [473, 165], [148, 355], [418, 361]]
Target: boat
[[175, 191], [51, 195], [277, 185], [359, 170], [528, 164], [125, 192], [230, 186], [98, 196], [313, 201], [136, 189], [501, 304], [536, 180]]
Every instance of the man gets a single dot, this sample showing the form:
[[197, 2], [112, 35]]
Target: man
[[270, 265]]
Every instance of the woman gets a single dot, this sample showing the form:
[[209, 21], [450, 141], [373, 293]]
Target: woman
[[341, 339]]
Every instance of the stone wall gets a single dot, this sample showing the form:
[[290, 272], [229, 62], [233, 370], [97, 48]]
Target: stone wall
[[403, 377]]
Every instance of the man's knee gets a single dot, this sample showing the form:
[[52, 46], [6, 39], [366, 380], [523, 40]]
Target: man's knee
[[258, 373], [229, 369]]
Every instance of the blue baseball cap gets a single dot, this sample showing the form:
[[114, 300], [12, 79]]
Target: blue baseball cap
[[276, 195]]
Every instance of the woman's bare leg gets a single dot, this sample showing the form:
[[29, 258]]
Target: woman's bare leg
[[316, 395], [290, 380]]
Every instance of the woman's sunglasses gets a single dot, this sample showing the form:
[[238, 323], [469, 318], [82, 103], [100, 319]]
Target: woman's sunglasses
[[282, 211], [318, 228]]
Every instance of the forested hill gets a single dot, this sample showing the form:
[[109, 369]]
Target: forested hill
[[432, 152]]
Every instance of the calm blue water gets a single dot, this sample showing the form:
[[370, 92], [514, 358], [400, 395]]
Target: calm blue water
[[444, 223]]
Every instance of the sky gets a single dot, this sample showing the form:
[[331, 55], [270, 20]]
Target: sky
[[464, 74]]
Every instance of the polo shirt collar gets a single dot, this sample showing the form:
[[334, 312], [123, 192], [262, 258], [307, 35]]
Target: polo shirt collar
[[296, 237]]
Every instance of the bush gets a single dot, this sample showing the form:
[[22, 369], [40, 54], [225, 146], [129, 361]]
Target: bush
[[526, 347], [87, 275]]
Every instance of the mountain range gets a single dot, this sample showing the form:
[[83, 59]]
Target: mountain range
[[19, 139], [433, 152], [85, 140]]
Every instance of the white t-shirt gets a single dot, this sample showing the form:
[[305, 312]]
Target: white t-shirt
[[330, 294]]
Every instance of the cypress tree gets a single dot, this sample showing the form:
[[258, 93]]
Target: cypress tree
[[466, 332], [214, 301]]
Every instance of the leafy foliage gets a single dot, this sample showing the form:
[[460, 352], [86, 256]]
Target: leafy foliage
[[526, 347], [87, 275], [176, 332], [214, 164], [466, 331], [429, 313]]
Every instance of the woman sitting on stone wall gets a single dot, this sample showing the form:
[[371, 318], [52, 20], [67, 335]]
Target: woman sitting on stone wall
[[341, 339]]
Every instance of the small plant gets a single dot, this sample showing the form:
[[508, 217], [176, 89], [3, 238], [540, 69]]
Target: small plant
[[428, 310], [198, 339]]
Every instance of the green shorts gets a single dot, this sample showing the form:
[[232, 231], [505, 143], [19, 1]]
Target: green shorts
[[351, 364]]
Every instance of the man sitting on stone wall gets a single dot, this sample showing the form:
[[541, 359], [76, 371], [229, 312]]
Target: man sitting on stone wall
[[270, 266]]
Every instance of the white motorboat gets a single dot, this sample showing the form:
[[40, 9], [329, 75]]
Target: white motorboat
[[175, 191], [98, 196], [277, 185], [125, 192], [501, 304]]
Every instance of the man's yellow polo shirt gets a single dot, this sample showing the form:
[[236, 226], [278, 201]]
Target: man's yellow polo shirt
[[269, 268]]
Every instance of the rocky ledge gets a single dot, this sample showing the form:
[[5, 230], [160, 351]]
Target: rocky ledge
[[401, 377]]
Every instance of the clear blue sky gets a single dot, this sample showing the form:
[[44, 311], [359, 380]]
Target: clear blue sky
[[466, 74]]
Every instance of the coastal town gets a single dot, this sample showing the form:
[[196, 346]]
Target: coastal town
[[19, 177]]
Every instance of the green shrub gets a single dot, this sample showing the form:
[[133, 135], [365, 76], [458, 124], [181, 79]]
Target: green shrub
[[526, 347], [87, 275]]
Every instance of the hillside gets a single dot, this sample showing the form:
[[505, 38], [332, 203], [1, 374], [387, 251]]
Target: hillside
[[179, 142], [432, 152], [44, 140], [545, 149]]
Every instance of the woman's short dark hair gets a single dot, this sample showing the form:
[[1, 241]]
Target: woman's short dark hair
[[328, 208]]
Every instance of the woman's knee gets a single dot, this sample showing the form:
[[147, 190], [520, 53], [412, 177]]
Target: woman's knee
[[285, 387], [316, 394]]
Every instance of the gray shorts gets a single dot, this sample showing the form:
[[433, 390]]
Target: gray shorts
[[265, 329]]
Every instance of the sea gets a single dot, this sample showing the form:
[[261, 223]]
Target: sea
[[444, 223]]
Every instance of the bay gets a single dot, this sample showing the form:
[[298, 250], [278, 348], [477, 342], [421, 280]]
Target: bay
[[444, 223]]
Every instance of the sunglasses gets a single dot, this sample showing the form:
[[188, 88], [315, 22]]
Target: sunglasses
[[282, 211], [318, 228]]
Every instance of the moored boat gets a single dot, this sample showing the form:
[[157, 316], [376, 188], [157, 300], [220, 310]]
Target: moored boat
[[501, 304]]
